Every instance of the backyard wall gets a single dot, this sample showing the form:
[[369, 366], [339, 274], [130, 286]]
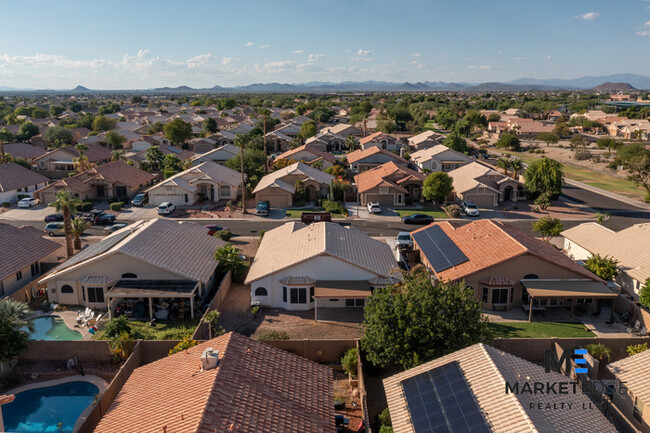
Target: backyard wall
[[86, 351], [325, 351], [202, 331]]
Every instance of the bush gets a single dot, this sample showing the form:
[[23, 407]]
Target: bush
[[6, 204], [453, 210], [349, 362], [273, 335], [634, 349], [116, 326], [184, 344], [543, 200], [644, 294], [386, 429], [224, 235], [605, 267], [86, 206], [22, 196], [117, 206], [384, 418], [582, 154], [334, 207], [615, 164]]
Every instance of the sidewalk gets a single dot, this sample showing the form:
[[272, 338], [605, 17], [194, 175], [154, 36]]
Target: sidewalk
[[612, 195]]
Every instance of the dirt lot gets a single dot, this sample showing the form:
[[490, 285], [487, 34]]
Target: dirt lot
[[559, 209], [344, 393]]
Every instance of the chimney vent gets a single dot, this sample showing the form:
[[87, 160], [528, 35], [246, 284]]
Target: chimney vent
[[209, 359]]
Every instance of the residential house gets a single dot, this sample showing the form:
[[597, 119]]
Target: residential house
[[26, 151], [362, 160], [529, 128], [439, 158], [381, 140], [166, 149], [27, 254], [425, 140], [553, 115], [327, 142], [147, 264], [593, 115], [309, 155], [344, 130], [290, 129], [59, 163], [17, 180], [389, 184], [464, 391], [230, 383], [115, 179], [629, 246], [484, 186], [206, 181], [507, 268], [323, 265], [242, 128], [277, 141], [219, 155], [634, 403], [278, 188]]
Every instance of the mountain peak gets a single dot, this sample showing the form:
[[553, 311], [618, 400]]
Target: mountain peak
[[613, 87]]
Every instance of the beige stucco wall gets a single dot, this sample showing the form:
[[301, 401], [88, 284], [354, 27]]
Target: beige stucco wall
[[625, 403]]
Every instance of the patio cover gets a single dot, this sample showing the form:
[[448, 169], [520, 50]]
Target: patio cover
[[342, 289], [567, 289], [153, 289]]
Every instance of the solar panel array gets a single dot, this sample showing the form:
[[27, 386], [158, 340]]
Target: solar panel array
[[95, 249], [439, 400], [441, 252]]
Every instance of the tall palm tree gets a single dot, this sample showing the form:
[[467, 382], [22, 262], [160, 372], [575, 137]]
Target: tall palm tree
[[82, 160], [504, 164], [516, 164], [66, 204], [79, 226], [18, 313], [599, 351]]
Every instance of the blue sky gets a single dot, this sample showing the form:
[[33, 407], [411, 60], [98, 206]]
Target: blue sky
[[144, 44]]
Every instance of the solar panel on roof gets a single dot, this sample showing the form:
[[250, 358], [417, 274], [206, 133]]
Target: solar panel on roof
[[441, 252], [439, 400]]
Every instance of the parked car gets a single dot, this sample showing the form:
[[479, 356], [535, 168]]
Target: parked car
[[417, 218], [374, 207], [404, 241], [470, 208], [28, 202], [311, 217], [115, 227], [140, 200], [55, 217], [104, 218], [93, 214], [263, 208], [54, 229], [212, 229], [166, 208]]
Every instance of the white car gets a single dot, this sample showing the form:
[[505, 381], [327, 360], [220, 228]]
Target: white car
[[470, 208], [115, 227], [166, 208], [374, 208], [28, 202]]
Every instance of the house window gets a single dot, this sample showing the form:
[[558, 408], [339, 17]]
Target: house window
[[531, 277], [512, 293], [399, 198], [524, 295], [485, 294], [120, 191], [355, 302], [67, 288], [334, 300], [383, 190], [19, 275], [95, 294], [637, 413], [261, 291], [500, 296], [129, 275], [186, 198], [36, 269], [311, 294], [284, 294], [224, 191], [298, 295]]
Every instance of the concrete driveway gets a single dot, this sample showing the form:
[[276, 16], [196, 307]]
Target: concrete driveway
[[35, 213], [134, 213]]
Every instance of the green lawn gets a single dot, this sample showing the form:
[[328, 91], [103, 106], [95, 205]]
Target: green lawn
[[296, 213], [166, 330], [540, 330], [435, 212], [428, 126]]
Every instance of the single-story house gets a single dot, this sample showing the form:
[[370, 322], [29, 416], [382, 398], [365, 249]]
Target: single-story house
[[343, 129], [166, 149], [207, 181], [16, 179], [242, 128], [381, 140], [26, 151], [324, 265], [507, 268], [113, 180], [327, 142], [277, 141], [389, 184], [219, 155], [634, 404], [60, 162], [153, 262], [425, 140], [309, 155], [26, 255], [485, 186], [279, 187], [362, 160], [466, 391], [629, 246], [230, 383], [439, 158]]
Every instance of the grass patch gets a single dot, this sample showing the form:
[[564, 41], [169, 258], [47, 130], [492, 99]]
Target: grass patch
[[297, 213], [429, 126], [168, 330], [433, 211], [540, 330]]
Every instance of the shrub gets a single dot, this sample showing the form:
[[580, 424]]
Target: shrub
[[224, 235], [116, 326], [596, 158], [582, 154], [117, 206], [169, 173], [184, 344], [349, 361], [605, 267], [262, 234], [334, 207], [634, 349], [543, 200], [384, 418], [124, 199], [644, 294], [86, 206], [212, 319], [273, 335], [386, 429], [22, 196], [453, 210], [13, 340], [6, 204]]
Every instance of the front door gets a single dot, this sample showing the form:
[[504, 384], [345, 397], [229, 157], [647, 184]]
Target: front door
[[101, 191], [507, 193], [211, 192]]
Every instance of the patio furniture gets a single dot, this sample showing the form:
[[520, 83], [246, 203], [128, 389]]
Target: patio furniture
[[635, 329], [88, 319], [93, 322], [161, 313]]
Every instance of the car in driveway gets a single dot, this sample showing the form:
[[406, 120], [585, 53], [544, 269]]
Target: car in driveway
[[404, 241], [374, 207], [166, 208], [54, 229], [28, 202], [55, 217], [105, 218], [263, 208], [417, 218], [140, 200], [213, 228], [115, 227], [470, 208]]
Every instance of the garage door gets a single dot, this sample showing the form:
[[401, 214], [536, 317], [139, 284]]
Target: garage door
[[481, 200], [48, 197], [276, 200], [382, 199]]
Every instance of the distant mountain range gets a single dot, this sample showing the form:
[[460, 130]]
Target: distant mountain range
[[607, 82]]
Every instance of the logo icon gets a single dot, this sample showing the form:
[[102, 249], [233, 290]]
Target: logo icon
[[552, 363]]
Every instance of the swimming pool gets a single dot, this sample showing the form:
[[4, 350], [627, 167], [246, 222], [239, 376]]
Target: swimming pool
[[42, 409], [52, 328]]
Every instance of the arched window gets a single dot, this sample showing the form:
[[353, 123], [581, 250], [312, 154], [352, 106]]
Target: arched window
[[224, 191], [129, 275], [261, 291], [67, 288], [531, 277]]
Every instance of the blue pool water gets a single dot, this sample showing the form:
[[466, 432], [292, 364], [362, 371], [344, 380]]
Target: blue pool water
[[52, 328], [42, 409]]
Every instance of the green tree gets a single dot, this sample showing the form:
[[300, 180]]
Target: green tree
[[13, 341], [548, 138], [253, 164], [58, 136], [638, 168], [75, 107], [350, 142], [156, 127], [5, 137], [209, 126], [504, 164], [561, 128], [171, 162], [599, 351], [39, 113], [155, 157], [417, 321], [79, 226], [516, 165], [56, 110], [350, 362], [118, 155], [307, 129], [635, 349], [66, 204], [544, 175], [446, 118], [508, 141], [82, 160], [230, 259], [103, 123], [17, 313], [605, 267], [578, 142], [548, 227], [494, 117], [602, 217], [116, 326], [114, 140], [608, 143], [26, 131], [644, 293], [437, 186], [122, 345], [455, 142], [178, 131]]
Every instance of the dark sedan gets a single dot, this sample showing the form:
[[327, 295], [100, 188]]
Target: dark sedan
[[212, 229], [56, 217], [417, 218]]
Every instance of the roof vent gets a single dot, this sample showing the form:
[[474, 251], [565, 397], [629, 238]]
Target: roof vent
[[209, 359]]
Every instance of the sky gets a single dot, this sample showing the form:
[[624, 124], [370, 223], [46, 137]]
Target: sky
[[141, 44]]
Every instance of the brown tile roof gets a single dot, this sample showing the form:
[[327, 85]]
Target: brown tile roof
[[24, 150], [358, 155], [255, 388], [121, 172], [21, 247], [307, 148], [635, 371], [388, 174], [487, 243], [370, 138], [14, 176]]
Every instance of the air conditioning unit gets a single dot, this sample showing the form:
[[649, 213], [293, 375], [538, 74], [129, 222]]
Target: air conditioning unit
[[209, 359]]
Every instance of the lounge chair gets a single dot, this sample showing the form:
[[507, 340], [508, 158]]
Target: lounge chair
[[89, 318]]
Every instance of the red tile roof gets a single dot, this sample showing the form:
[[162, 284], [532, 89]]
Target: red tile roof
[[388, 174], [358, 155], [371, 137], [307, 148]]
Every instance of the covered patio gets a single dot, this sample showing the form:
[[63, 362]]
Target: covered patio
[[340, 300], [153, 289]]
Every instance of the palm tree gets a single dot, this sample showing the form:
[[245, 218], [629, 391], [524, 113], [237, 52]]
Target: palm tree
[[229, 258], [18, 313], [82, 160], [504, 164], [117, 155], [66, 204], [516, 164], [5, 137], [122, 345], [79, 226], [599, 351]]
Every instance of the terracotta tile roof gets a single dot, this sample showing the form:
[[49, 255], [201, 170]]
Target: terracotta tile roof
[[486, 370], [254, 388], [299, 168], [310, 149], [358, 155], [370, 138], [121, 172], [388, 174], [14, 176], [22, 247], [487, 243], [635, 370]]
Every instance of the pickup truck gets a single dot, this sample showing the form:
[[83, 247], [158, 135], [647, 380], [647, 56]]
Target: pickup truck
[[262, 208]]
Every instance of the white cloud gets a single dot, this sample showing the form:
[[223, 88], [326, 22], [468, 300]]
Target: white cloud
[[264, 46], [484, 67], [421, 66], [643, 33], [416, 54], [517, 59], [548, 57], [199, 60], [228, 60], [590, 16], [647, 23], [313, 57], [361, 59], [363, 52], [298, 51], [249, 44]]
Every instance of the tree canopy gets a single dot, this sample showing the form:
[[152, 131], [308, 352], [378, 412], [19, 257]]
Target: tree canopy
[[544, 175], [508, 141], [307, 129], [603, 266], [548, 227], [437, 186], [178, 131], [455, 142]]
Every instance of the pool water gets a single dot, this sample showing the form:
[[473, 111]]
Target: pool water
[[52, 328], [42, 409]]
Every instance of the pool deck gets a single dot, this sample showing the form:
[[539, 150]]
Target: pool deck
[[70, 319]]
